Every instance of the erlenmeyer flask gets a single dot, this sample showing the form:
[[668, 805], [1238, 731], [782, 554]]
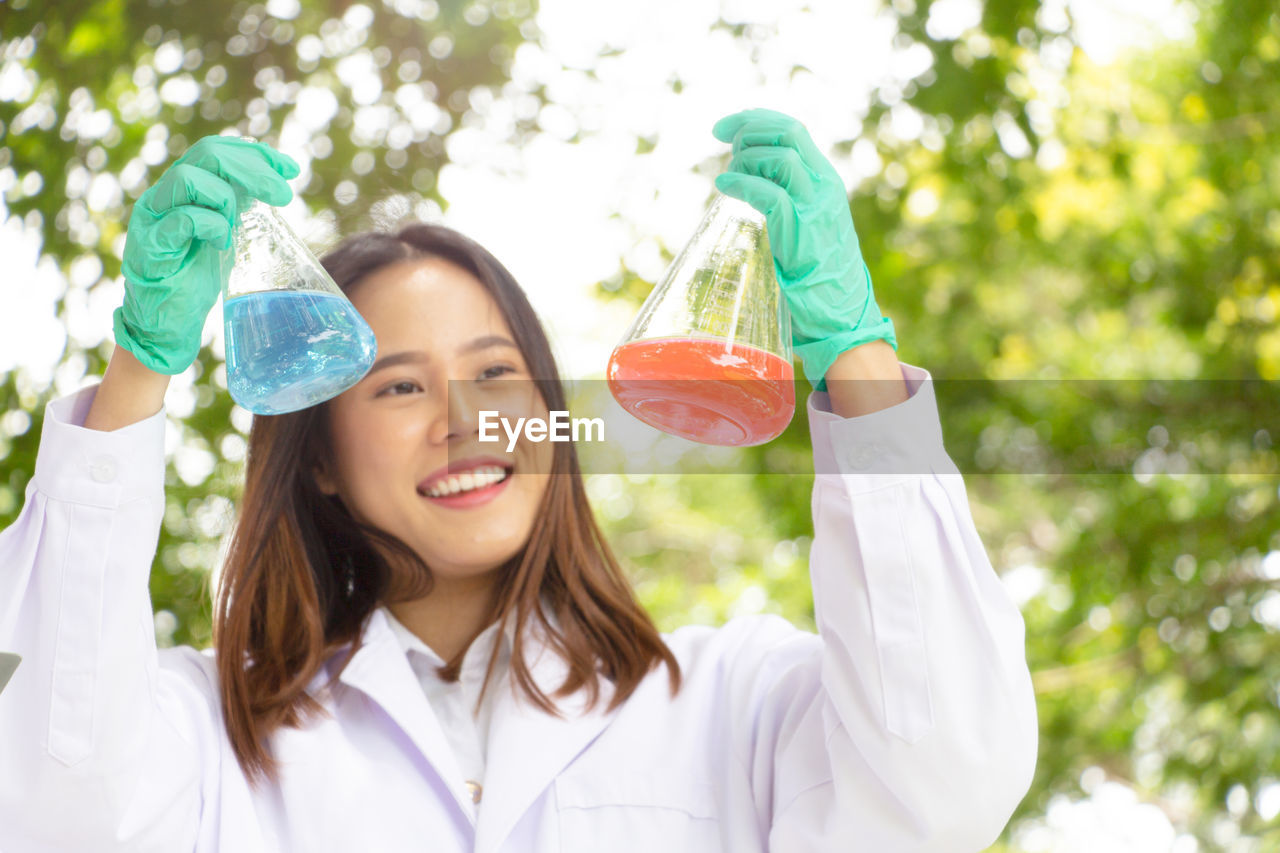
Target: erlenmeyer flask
[[293, 339], [708, 358]]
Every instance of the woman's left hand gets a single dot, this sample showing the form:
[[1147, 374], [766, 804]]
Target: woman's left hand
[[778, 170]]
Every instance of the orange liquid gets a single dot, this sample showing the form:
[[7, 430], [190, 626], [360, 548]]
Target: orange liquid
[[703, 390]]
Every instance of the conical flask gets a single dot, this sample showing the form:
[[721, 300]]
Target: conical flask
[[293, 339], [708, 358]]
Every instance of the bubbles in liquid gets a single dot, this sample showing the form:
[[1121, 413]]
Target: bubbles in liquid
[[289, 349]]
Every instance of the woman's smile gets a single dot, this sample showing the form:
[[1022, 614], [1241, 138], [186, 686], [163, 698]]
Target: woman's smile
[[467, 483]]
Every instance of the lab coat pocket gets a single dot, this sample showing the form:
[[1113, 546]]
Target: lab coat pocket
[[640, 812]]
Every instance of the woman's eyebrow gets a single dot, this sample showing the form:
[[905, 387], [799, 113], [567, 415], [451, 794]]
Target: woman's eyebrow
[[485, 342], [398, 358], [420, 357]]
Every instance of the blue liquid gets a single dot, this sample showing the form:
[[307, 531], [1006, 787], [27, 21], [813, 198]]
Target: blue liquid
[[290, 349]]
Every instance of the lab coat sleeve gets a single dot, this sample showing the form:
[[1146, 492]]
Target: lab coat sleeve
[[99, 744], [909, 724]]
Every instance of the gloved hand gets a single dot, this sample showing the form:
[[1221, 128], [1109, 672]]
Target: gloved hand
[[177, 254], [778, 170]]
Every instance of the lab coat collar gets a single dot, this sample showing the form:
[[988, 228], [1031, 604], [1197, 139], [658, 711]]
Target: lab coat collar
[[381, 670], [527, 746], [475, 661]]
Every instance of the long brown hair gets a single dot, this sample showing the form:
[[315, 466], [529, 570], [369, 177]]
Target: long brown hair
[[302, 576]]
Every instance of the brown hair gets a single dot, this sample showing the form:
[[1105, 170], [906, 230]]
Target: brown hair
[[302, 576]]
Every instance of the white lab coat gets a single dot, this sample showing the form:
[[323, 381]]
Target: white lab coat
[[907, 724]]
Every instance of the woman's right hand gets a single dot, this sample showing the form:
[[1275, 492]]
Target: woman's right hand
[[178, 251]]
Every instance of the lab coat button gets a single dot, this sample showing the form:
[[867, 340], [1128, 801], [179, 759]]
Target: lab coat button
[[475, 789], [103, 469], [861, 456]]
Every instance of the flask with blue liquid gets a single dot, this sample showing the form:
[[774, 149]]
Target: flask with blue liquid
[[293, 339]]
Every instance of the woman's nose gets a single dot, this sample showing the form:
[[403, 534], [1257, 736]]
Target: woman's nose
[[457, 416]]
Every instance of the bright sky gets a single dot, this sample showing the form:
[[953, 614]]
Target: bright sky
[[559, 215]]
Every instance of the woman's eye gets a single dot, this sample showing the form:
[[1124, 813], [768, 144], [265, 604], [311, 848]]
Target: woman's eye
[[496, 371], [404, 387]]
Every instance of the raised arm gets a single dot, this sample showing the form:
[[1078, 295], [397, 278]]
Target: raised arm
[[911, 725], [102, 746]]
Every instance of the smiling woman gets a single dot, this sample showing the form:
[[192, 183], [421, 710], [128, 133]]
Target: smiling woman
[[425, 640], [363, 501]]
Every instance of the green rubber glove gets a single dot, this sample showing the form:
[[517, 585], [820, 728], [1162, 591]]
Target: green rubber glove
[[778, 170], [177, 254]]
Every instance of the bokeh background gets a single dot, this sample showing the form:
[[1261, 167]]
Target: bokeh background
[[1045, 192]]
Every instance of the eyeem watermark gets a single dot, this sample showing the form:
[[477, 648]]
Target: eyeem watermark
[[559, 427]]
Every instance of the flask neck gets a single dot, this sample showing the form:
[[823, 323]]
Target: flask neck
[[258, 230], [252, 212], [269, 256]]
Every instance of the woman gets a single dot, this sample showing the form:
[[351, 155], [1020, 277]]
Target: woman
[[424, 645]]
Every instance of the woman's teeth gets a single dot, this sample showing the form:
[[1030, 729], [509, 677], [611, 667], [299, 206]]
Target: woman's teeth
[[467, 481]]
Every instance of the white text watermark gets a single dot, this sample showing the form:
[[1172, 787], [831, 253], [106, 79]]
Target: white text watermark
[[558, 427]]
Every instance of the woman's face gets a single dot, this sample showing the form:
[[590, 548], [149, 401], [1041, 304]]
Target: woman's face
[[406, 451]]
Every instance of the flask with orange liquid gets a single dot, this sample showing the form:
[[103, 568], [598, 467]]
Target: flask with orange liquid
[[708, 358]]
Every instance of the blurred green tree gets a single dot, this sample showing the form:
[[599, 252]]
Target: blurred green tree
[[1080, 222]]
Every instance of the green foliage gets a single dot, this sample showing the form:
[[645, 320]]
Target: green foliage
[[1132, 235]]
